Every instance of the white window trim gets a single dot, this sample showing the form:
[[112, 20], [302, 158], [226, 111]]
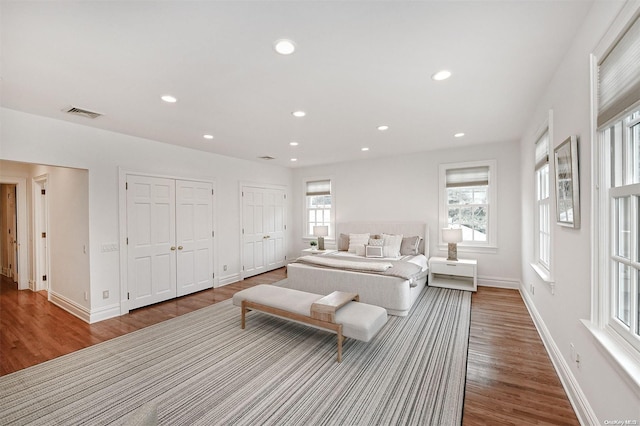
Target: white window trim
[[491, 245], [624, 356], [545, 274], [331, 238]]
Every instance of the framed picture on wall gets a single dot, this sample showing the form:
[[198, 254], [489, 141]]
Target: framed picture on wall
[[567, 183]]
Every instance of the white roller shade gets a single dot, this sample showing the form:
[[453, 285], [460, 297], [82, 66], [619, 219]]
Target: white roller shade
[[619, 76]]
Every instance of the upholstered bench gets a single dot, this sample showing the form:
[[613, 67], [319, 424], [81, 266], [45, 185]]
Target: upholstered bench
[[338, 312]]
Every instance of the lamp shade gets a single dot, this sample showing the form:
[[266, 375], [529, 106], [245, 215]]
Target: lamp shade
[[451, 235], [321, 231]]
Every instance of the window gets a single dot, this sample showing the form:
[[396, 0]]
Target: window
[[318, 206], [622, 141], [468, 201], [543, 204], [617, 208]]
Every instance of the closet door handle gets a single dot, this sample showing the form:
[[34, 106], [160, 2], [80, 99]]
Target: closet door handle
[[180, 247], [172, 248]]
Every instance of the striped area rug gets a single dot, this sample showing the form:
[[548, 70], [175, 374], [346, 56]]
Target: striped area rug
[[201, 368]]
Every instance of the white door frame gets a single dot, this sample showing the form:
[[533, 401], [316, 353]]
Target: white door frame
[[41, 259], [122, 224], [22, 238]]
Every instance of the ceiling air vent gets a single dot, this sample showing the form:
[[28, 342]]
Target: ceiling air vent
[[267, 157], [82, 112]]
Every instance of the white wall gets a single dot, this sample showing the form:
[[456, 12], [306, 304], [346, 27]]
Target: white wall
[[405, 189], [608, 396], [34, 139]]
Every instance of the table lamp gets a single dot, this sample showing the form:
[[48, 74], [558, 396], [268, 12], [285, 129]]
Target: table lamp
[[321, 231], [452, 237]]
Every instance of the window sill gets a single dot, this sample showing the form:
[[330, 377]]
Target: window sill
[[543, 273], [471, 249], [624, 357]]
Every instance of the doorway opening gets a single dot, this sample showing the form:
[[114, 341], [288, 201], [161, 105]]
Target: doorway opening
[[9, 232]]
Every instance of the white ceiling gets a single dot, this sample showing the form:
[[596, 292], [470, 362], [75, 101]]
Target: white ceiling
[[357, 65]]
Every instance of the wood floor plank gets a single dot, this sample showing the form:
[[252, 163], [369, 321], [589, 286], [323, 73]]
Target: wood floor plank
[[510, 378]]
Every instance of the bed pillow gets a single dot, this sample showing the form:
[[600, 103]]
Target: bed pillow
[[391, 245], [410, 245], [376, 242], [343, 242], [357, 240]]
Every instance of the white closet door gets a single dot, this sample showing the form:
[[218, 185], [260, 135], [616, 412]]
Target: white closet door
[[194, 239], [253, 236], [151, 234], [263, 214], [273, 220]]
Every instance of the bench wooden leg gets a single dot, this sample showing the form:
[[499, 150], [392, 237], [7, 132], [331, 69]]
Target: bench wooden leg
[[244, 311], [340, 340]]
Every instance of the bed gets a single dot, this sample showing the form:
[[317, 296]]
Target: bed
[[394, 293]]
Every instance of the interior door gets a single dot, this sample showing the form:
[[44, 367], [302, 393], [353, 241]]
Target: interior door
[[253, 235], [194, 236], [151, 231], [273, 220], [41, 224], [263, 215]]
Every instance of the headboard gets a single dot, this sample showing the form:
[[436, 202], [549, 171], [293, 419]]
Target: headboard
[[408, 229]]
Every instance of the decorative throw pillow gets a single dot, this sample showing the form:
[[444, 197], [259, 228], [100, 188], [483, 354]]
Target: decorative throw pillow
[[361, 250], [343, 242], [410, 245], [376, 242], [391, 246], [373, 251], [357, 240]]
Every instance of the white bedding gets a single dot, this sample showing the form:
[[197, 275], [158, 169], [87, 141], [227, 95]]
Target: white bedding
[[418, 259], [395, 294]]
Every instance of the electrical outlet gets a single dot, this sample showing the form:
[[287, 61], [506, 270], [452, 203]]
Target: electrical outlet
[[224, 268], [533, 289], [105, 294], [86, 296]]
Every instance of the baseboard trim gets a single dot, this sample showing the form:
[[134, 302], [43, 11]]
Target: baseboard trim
[[105, 312], [70, 306], [499, 282], [577, 398], [229, 279]]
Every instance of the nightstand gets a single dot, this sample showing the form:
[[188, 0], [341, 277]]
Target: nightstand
[[461, 274], [315, 252]]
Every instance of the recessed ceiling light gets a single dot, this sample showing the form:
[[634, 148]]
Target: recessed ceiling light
[[364, 149], [284, 46], [458, 135], [294, 159], [441, 75], [299, 114], [208, 136], [293, 143], [383, 127], [169, 98]]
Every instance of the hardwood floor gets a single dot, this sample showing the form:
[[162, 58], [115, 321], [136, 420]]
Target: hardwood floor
[[510, 379]]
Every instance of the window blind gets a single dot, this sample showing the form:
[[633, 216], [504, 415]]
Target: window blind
[[619, 76], [542, 150], [468, 176], [319, 187]]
